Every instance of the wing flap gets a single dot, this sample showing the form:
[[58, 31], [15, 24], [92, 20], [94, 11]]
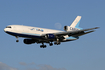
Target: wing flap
[[82, 33]]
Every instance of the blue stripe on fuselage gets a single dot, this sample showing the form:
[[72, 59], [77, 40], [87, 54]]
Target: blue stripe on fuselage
[[24, 35]]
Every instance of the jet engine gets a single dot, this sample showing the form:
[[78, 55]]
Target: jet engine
[[49, 36], [29, 41], [65, 28]]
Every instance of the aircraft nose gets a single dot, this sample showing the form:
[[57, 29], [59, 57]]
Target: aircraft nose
[[5, 30]]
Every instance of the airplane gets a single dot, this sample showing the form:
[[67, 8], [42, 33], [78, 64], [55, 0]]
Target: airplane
[[43, 35]]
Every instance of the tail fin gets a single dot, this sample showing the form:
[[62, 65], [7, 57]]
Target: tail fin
[[76, 22]]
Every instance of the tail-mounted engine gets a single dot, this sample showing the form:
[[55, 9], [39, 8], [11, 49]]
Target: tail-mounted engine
[[65, 28]]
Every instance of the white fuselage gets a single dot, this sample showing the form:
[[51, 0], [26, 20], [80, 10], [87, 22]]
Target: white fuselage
[[32, 32]]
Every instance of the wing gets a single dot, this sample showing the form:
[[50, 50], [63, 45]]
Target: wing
[[76, 33]]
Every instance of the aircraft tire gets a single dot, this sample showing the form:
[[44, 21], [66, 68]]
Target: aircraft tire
[[17, 40], [50, 44], [42, 46]]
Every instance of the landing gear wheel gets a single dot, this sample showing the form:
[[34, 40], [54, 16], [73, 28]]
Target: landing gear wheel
[[50, 44], [42, 46], [17, 40]]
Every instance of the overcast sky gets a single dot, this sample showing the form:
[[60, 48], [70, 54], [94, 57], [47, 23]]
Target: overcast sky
[[86, 53]]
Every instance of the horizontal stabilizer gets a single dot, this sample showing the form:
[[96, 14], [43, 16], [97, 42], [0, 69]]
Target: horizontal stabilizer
[[86, 33]]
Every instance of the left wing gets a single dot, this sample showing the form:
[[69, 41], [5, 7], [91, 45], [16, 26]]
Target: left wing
[[76, 33]]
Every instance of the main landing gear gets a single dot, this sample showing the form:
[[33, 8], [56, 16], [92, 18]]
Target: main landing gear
[[43, 46], [58, 42], [51, 44]]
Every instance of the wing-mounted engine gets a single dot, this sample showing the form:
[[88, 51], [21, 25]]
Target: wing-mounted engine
[[29, 41], [66, 28], [50, 36]]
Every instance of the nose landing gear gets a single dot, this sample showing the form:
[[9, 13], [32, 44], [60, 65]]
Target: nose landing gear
[[17, 39]]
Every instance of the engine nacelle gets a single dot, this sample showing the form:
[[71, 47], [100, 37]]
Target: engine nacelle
[[49, 36], [29, 41], [65, 28]]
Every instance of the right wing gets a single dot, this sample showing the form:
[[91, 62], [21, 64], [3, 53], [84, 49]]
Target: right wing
[[76, 33]]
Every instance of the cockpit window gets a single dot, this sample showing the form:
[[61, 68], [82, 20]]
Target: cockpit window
[[8, 27]]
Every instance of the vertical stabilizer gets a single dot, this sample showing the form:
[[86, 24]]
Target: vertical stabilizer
[[76, 22]]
